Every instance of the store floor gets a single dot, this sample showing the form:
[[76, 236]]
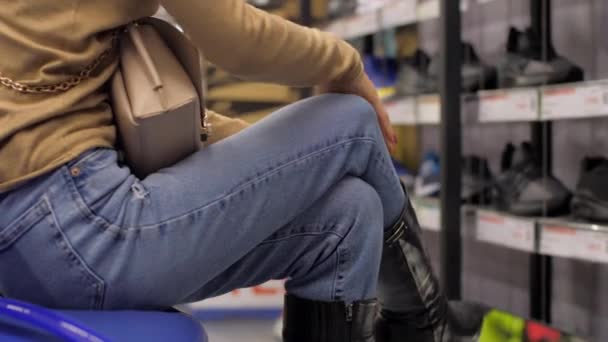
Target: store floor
[[240, 331]]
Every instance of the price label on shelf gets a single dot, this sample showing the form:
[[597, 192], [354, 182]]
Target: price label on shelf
[[572, 101], [507, 231], [428, 109], [558, 241], [399, 13], [429, 215], [402, 111], [593, 246], [509, 105], [361, 24]]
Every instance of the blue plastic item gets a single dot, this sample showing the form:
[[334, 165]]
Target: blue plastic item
[[25, 322]]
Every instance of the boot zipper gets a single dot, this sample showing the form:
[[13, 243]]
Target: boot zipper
[[349, 313], [349, 322]]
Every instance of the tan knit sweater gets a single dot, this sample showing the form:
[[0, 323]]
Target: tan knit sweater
[[46, 42]]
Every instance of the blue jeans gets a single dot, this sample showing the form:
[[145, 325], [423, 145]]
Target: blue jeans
[[303, 195]]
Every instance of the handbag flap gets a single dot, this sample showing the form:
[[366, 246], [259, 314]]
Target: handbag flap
[[186, 52], [154, 79]]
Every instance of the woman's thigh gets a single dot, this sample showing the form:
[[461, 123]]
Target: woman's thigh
[[329, 252]]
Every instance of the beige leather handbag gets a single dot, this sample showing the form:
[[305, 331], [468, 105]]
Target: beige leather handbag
[[157, 96]]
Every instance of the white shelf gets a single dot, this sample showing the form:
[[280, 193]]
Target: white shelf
[[568, 239], [549, 236], [507, 105], [394, 13], [428, 212], [356, 25], [428, 109], [567, 101], [575, 100], [402, 111], [506, 230], [398, 13]]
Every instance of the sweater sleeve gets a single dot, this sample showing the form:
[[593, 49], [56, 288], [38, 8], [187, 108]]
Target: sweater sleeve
[[258, 46]]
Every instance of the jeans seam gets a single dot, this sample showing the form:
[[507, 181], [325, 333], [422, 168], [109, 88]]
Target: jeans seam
[[17, 227], [99, 283], [116, 229], [265, 242], [338, 277]]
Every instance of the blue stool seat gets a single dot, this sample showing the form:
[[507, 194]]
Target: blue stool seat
[[116, 326]]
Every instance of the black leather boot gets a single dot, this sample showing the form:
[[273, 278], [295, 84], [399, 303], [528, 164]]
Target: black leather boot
[[312, 321], [413, 308]]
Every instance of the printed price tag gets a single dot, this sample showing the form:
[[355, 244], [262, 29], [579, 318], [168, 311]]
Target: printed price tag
[[361, 24], [428, 214], [558, 241], [508, 105], [593, 246], [402, 111], [428, 109], [575, 101], [506, 231], [399, 13]]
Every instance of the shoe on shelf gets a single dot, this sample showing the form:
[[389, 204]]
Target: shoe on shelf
[[428, 181], [413, 78], [476, 75], [381, 71], [590, 201], [527, 65], [341, 8], [522, 189], [477, 181]]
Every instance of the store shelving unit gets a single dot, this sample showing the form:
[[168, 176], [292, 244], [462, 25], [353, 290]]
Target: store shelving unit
[[541, 238]]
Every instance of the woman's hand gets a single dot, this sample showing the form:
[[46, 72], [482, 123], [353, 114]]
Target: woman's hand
[[365, 88]]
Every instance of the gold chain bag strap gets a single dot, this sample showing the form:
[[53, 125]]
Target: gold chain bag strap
[[157, 94], [62, 86]]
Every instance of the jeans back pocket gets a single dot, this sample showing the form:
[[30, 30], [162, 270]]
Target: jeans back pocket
[[38, 263]]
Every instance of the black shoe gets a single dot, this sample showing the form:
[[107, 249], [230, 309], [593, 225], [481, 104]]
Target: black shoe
[[590, 200], [413, 77], [313, 321], [407, 280], [341, 8], [522, 189], [526, 64], [476, 75], [477, 181], [413, 308]]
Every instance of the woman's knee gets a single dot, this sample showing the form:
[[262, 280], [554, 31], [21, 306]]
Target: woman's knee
[[364, 209], [346, 110]]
